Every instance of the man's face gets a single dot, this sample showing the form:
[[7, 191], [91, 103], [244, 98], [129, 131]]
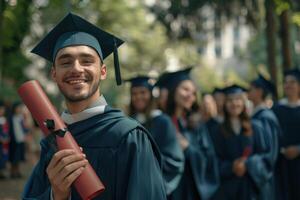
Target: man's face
[[77, 71]]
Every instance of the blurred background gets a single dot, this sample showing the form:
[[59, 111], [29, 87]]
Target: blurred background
[[227, 41]]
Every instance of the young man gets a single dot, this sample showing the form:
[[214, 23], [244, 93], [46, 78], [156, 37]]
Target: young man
[[260, 89], [120, 150], [287, 111]]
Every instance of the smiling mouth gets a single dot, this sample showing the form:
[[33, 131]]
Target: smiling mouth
[[74, 82]]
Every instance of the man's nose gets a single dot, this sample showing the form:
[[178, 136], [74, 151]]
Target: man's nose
[[77, 66]]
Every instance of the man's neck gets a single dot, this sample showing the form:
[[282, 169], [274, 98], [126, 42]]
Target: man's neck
[[76, 107], [257, 102], [293, 99]]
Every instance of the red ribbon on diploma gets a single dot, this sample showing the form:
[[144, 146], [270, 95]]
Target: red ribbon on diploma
[[88, 184], [247, 152]]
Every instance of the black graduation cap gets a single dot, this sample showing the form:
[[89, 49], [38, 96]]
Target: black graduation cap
[[74, 30], [141, 81], [263, 83], [293, 72], [234, 89], [172, 79], [218, 90]]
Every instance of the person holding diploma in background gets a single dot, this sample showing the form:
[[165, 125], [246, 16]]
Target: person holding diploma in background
[[287, 111], [120, 150], [241, 150]]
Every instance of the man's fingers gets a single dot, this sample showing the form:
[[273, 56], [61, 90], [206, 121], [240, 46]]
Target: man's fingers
[[59, 155], [72, 177], [69, 169]]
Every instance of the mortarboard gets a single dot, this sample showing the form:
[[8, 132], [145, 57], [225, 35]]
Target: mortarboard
[[266, 85], [172, 79], [141, 81], [293, 72], [234, 89], [74, 30], [218, 90]]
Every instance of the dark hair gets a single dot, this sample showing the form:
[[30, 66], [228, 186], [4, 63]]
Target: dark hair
[[245, 121], [265, 93], [171, 104]]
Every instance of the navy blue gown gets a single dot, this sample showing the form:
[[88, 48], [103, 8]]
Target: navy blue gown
[[288, 170], [200, 179], [230, 147], [121, 152], [271, 133], [164, 134]]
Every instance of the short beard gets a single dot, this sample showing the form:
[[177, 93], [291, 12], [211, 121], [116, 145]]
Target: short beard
[[72, 99]]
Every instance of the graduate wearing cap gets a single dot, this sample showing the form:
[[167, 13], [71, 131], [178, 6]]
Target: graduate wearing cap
[[241, 150], [120, 150], [260, 89], [287, 111], [143, 109], [200, 178]]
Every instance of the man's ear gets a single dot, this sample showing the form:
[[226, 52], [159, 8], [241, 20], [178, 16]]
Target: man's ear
[[53, 73], [103, 72]]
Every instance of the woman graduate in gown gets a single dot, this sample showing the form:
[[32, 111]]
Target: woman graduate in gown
[[200, 178], [288, 113], [240, 148], [160, 126]]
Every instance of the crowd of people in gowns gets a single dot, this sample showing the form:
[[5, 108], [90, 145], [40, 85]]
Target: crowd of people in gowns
[[232, 144]]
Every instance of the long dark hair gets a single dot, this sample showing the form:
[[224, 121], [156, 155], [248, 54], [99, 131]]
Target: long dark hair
[[171, 104], [226, 127]]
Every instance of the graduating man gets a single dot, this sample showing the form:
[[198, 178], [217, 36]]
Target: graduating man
[[120, 150], [287, 111], [260, 89]]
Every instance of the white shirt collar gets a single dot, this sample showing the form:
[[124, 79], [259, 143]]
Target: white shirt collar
[[289, 104], [95, 108]]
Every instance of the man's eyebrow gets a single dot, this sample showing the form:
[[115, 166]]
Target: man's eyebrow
[[66, 55], [85, 55]]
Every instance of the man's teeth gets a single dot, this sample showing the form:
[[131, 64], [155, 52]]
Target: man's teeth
[[75, 81]]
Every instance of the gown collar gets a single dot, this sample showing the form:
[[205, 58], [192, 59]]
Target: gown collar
[[97, 107]]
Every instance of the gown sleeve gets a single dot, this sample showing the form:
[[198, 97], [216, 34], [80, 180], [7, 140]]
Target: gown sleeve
[[259, 164], [138, 171], [38, 186], [203, 161], [164, 135]]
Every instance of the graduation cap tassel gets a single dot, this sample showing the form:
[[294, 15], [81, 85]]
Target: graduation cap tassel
[[116, 63]]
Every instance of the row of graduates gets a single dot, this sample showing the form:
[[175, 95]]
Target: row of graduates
[[14, 129], [238, 153]]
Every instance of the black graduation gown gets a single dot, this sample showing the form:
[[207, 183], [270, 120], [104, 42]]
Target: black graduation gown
[[121, 152], [228, 148], [200, 179], [288, 177], [164, 134], [271, 133]]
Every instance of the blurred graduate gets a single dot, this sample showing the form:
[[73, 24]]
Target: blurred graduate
[[241, 150], [200, 179], [260, 90], [287, 111], [143, 108]]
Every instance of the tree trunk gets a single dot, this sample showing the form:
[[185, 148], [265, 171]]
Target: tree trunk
[[1, 39], [285, 40], [271, 42]]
